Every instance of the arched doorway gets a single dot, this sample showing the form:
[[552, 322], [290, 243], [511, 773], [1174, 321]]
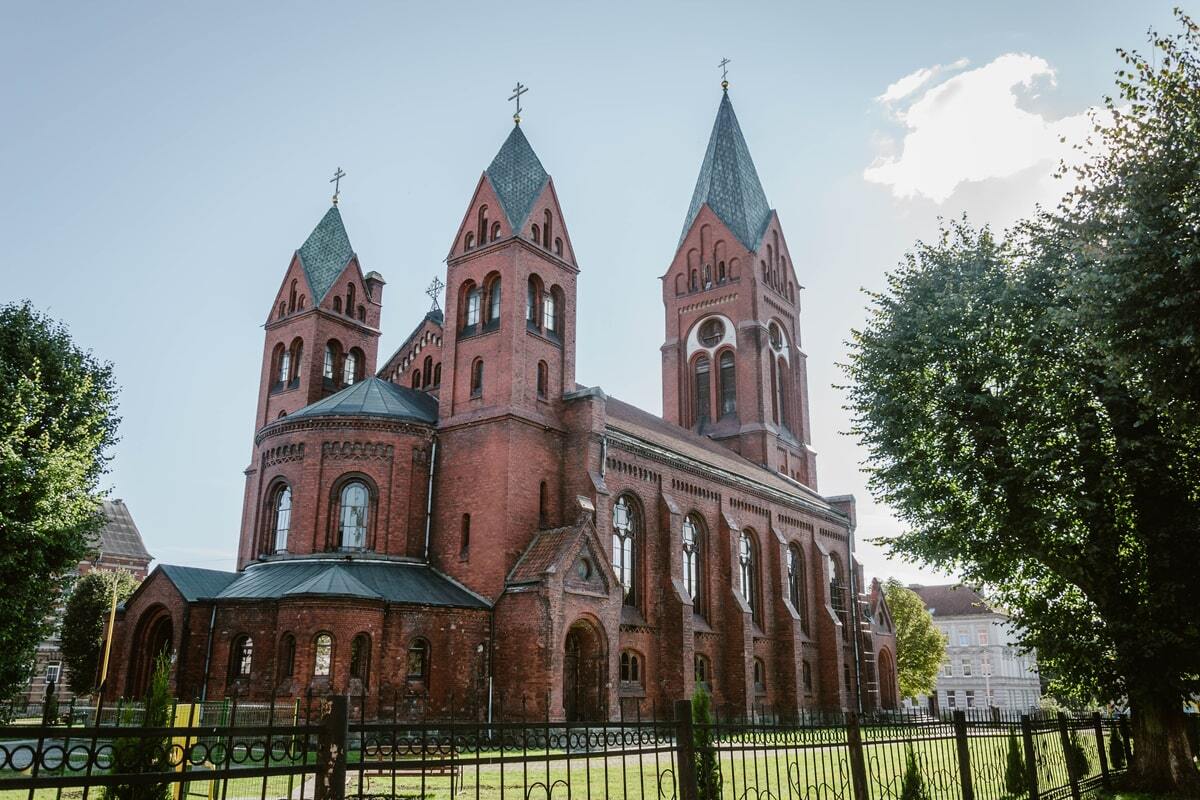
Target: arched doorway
[[584, 668], [155, 635], [887, 680]]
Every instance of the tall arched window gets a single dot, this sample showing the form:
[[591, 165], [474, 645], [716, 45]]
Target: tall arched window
[[728, 384], [702, 390], [625, 531], [437, 374], [691, 560], [533, 303], [631, 669], [783, 392], [471, 308], [427, 371], [418, 660], [469, 241], [536, 234], [416, 379], [495, 231], [464, 541], [322, 655], [350, 368], [774, 393], [795, 574], [550, 312], [543, 378], [483, 224], [285, 366], [283, 517], [330, 368], [350, 299], [287, 656], [702, 671], [493, 298], [337, 304], [558, 247], [360, 658], [292, 297], [760, 676], [477, 378], [352, 515], [748, 572], [297, 359], [241, 656], [837, 593], [546, 230]]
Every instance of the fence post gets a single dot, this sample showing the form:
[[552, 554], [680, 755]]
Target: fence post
[[1101, 750], [331, 750], [1031, 770], [685, 750], [964, 754], [858, 762], [1065, 735]]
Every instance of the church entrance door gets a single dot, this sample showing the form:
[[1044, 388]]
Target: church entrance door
[[584, 656]]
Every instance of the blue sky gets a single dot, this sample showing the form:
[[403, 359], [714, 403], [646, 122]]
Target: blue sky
[[163, 160]]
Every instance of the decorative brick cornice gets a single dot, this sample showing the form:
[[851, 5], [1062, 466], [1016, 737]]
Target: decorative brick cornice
[[357, 450], [283, 454]]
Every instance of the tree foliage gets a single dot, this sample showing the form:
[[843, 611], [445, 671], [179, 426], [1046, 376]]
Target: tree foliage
[[133, 755], [708, 768], [84, 623], [57, 423], [912, 783], [1016, 779], [1030, 404], [920, 646]]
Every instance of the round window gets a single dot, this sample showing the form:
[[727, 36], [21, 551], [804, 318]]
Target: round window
[[712, 332], [776, 337]]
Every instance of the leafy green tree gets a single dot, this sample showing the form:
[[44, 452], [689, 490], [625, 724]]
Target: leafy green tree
[[135, 755], [1016, 780], [84, 623], [708, 770], [1032, 410], [912, 785], [57, 423], [920, 646]]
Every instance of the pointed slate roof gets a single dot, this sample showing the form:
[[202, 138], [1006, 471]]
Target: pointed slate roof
[[517, 176], [729, 183], [373, 397], [325, 253]]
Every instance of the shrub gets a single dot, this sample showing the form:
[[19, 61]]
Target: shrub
[[1116, 749], [135, 755], [1016, 779], [1077, 761], [913, 785], [708, 769]]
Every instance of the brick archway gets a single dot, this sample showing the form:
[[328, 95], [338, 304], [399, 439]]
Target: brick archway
[[887, 680], [155, 634], [585, 661]]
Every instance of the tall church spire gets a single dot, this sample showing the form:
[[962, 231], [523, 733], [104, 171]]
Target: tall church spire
[[517, 176], [325, 253], [728, 182]]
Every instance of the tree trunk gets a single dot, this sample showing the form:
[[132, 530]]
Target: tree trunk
[[1162, 757]]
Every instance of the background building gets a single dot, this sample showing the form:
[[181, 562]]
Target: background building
[[984, 667], [118, 546]]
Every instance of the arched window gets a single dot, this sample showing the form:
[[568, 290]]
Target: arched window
[[631, 668], [283, 517], [416, 379], [464, 543], [546, 230], [350, 299], [285, 366], [720, 272], [806, 676], [330, 368], [282, 309], [728, 388], [241, 656], [427, 371], [702, 390], [536, 234], [470, 308], [691, 560], [748, 572], [437, 374], [533, 303], [760, 676], [297, 359], [483, 224], [783, 392], [337, 304], [418, 660], [493, 306], [550, 311], [350, 368], [837, 593], [469, 241], [543, 377], [352, 516], [477, 378], [702, 671], [558, 246], [300, 303], [292, 296], [360, 658], [795, 574], [495, 231], [362, 313], [287, 656], [625, 531], [322, 655]]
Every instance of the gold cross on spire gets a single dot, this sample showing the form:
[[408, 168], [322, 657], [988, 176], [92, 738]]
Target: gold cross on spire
[[336, 180], [724, 65], [518, 90]]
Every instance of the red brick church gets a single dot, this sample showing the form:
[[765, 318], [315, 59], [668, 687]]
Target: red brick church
[[464, 520]]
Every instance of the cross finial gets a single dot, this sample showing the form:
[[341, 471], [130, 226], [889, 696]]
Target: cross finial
[[336, 180], [435, 288], [518, 90], [724, 65]]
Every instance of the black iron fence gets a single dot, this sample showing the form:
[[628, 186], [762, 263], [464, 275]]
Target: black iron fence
[[330, 749]]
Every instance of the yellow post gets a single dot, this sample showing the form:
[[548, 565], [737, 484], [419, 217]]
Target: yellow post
[[184, 715], [108, 636]]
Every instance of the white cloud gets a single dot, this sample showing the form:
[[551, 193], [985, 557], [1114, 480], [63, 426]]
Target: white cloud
[[970, 127]]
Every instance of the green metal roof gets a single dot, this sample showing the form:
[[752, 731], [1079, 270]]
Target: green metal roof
[[390, 581], [728, 182], [325, 253], [517, 176], [374, 397], [195, 583]]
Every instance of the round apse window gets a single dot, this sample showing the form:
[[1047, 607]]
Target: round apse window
[[583, 569], [712, 332]]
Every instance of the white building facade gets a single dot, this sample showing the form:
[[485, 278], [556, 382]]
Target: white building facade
[[984, 666]]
